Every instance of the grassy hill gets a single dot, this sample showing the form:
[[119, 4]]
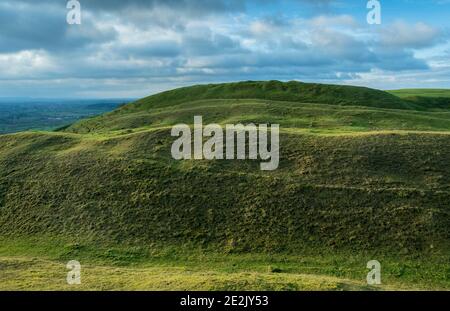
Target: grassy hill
[[361, 177], [405, 93], [425, 98], [274, 90]]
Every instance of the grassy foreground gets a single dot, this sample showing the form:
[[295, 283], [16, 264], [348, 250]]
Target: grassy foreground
[[30, 264]]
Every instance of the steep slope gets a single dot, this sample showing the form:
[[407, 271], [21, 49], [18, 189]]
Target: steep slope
[[385, 191]]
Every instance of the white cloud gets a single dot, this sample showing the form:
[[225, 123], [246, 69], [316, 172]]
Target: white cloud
[[334, 21], [402, 34], [30, 63], [158, 47]]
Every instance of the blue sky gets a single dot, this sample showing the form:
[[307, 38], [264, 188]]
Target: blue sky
[[139, 47]]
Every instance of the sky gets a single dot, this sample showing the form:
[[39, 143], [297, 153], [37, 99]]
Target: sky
[[131, 49]]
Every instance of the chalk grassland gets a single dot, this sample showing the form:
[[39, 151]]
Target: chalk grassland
[[443, 93], [40, 264], [355, 183], [425, 98], [40, 274], [304, 118]]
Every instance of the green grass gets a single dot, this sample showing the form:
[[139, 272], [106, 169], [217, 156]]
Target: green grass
[[314, 118], [272, 90], [34, 264], [405, 93], [38, 274], [425, 99], [360, 178]]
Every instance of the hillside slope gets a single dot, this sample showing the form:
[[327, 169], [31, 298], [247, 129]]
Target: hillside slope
[[270, 91], [352, 177], [385, 191], [354, 183], [275, 90], [425, 98]]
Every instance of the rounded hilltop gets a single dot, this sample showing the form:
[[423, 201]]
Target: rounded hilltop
[[292, 91], [226, 97]]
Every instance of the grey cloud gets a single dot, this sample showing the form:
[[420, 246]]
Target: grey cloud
[[45, 27], [178, 45], [195, 7], [399, 60], [201, 44], [163, 49], [403, 35]]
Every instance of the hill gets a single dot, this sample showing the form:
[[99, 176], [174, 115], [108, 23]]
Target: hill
[[274, 90], [293, 103], [405, 93], [425, 98], [353, 179]]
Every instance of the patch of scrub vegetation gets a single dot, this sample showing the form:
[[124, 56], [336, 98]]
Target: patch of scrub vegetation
[[360, 178]]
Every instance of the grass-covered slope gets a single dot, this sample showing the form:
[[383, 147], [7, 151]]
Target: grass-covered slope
[[383, 191], [298, 116], [293, 92], [275, 90], [405, 93], [425, 98], [352, 179]]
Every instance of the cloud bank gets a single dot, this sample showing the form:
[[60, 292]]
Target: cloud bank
[[133, 48]]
